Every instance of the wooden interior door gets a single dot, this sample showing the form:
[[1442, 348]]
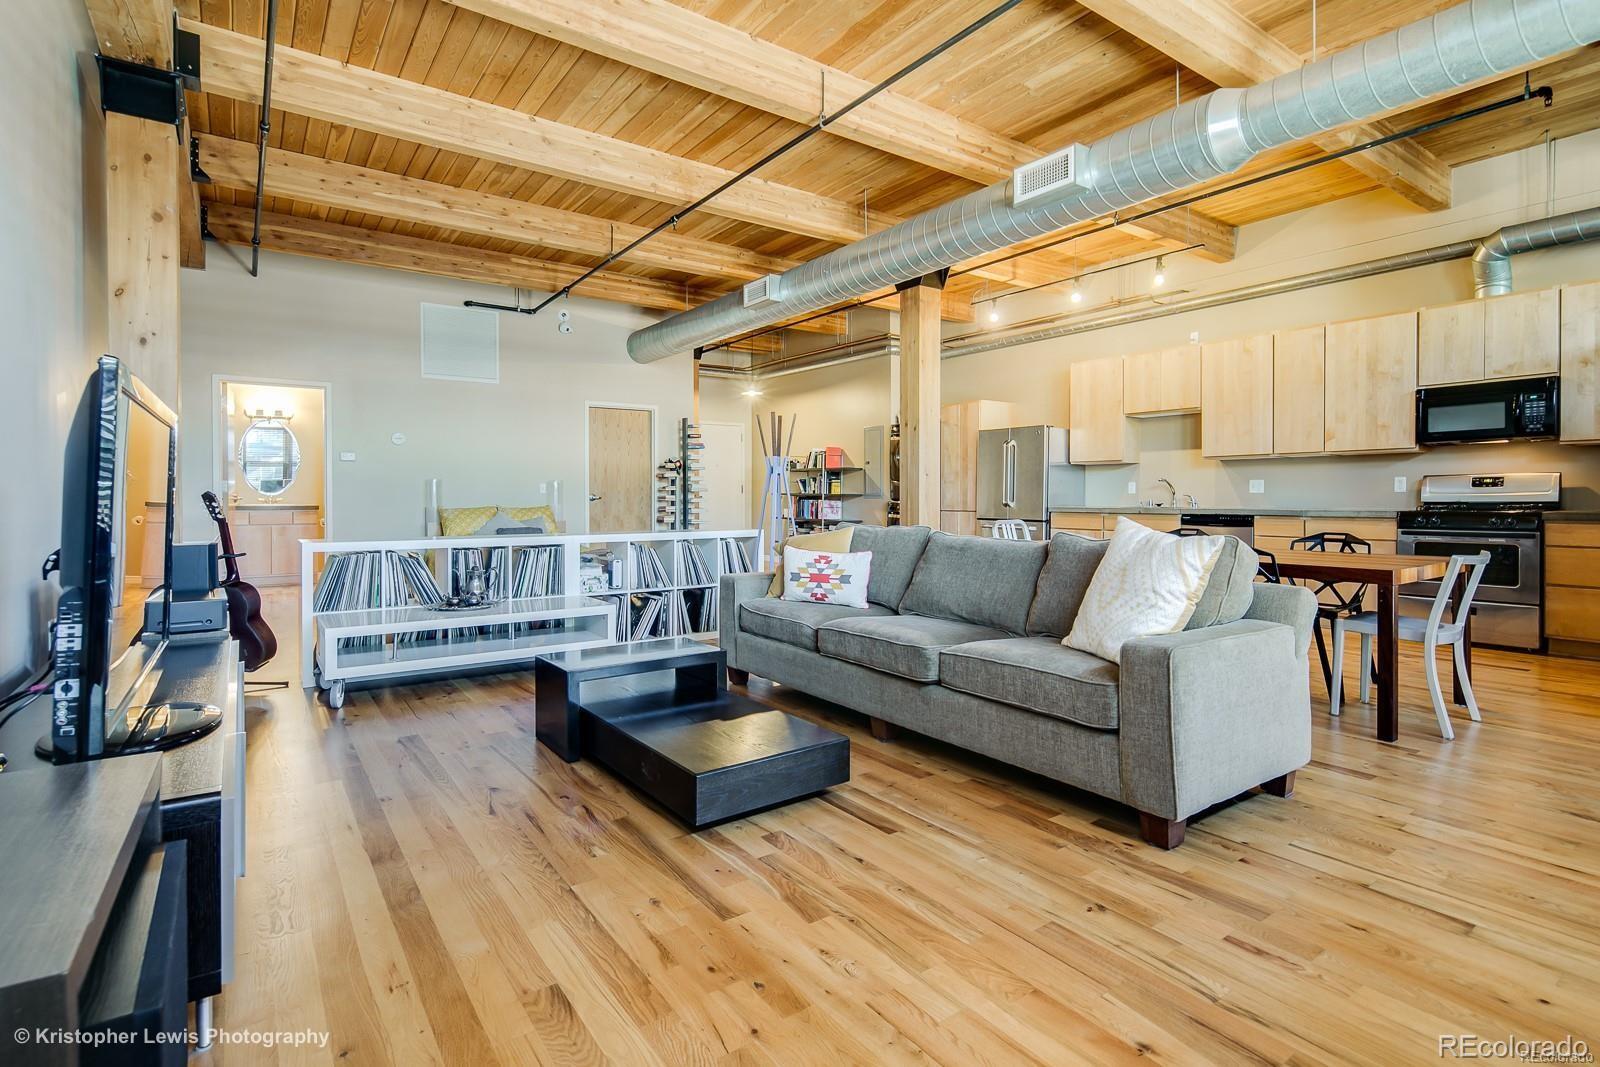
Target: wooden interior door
[[620, 469]]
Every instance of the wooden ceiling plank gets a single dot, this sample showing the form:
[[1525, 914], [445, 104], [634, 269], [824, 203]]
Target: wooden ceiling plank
[[1216, 41]]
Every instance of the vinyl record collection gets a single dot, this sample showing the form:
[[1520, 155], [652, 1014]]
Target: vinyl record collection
[[678, 482]]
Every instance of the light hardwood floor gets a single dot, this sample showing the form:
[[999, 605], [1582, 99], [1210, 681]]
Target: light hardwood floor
[[429, 885]]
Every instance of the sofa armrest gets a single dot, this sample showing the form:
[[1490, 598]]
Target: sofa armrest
[[733, 590], [1294, 606], [1204, 715]]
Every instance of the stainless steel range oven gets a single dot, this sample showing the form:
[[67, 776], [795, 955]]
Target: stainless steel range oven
[[1502, 514]]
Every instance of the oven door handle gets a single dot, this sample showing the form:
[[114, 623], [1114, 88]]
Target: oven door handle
[[1407, 537]]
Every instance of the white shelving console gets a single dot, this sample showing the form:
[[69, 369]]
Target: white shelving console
[[404, 640]]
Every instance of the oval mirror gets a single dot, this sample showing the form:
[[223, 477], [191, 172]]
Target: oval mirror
[[269, 455]]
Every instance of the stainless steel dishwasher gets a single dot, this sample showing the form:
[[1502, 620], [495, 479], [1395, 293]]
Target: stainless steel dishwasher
[[1219, 522]]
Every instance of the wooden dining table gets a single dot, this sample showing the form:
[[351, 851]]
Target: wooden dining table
[[1385, 572]]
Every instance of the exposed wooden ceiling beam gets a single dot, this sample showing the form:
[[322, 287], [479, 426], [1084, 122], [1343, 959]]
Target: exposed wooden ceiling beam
[[679, 44], [137, 30], [1217, 42], [341, 185], [231, 224], [686, 47]]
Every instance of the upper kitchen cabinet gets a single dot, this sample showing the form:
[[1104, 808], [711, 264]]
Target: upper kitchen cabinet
[[1164, 382], [1097, 430], [1297, 390], [1514, 336], [1236, 412], [1370, 384], [1450, 343], [1580, 362], [1522, 334]]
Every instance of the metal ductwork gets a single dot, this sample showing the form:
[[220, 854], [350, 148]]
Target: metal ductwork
[[1182, 147], [1491, 263]]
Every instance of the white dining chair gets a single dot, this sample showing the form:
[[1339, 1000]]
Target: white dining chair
[[1011, 530], [1431, 632]]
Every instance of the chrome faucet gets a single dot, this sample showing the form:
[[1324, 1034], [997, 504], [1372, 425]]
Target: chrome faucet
[[1172, 493]]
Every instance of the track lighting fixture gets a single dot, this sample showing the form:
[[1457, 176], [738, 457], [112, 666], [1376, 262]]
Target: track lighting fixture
[[1160, 278]]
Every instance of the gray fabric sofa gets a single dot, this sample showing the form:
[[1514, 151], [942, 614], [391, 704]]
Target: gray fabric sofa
[[961, 641]]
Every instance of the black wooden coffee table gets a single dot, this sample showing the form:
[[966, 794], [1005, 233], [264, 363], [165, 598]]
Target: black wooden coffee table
[[657, 715]]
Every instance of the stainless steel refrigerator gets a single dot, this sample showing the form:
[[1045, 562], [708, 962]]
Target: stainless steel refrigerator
[[1023, 472]]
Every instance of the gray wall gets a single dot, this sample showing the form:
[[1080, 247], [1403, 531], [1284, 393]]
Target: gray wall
[[52, 298]]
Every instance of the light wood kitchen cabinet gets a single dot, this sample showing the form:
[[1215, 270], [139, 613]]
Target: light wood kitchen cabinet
[[1097, 429], [959, 522], [1083, 523], [1572, 587], [1370, 385], [1236, 415], [1580, 362], [1164, 382], [1522, 334], [1512, 336], [1297, 391], [959, 425], [1450, 343]]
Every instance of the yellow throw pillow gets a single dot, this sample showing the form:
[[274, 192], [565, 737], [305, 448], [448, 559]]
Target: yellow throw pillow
[[539, 511], [827, 541], [464, 522]]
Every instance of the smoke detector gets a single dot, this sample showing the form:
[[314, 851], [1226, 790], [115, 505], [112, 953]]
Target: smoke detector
[[763, 291], [1057, 174]]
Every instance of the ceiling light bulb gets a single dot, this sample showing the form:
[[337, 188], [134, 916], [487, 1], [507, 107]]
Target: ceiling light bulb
[[994, 312], [1077, 293], [752, 392], [1161, 274]]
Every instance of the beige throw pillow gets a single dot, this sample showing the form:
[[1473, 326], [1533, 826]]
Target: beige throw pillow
[[826, 541], [1148, 583]]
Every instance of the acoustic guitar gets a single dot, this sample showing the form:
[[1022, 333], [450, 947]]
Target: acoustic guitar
[[257, 644]]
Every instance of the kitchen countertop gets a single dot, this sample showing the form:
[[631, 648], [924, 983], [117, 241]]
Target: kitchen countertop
[[1228, 509]]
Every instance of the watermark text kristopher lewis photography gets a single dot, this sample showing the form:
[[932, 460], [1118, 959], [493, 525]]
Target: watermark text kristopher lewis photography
[[1566, 1049], [42, 1035]]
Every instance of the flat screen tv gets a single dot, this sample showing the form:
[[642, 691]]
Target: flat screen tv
[[123, 441]]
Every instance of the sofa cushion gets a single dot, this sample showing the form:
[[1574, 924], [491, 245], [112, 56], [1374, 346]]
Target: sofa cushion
[[794, 622], [1230, 588], [904, 645], [1037, 673], [821, 541], [895, 552], [981, 580], [1067, 571]]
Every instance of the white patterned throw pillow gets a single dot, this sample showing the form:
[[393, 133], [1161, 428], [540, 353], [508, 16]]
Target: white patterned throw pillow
[[826, 577], [1148, 583]]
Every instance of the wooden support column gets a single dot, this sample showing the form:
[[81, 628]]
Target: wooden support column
[[142, 248], [919, 400]]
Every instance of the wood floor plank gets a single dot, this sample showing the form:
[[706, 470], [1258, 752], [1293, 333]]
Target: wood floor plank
[[430, 885]]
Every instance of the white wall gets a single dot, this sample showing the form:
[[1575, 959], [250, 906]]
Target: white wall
[[52, 294], [358, 328], [1487, 195]]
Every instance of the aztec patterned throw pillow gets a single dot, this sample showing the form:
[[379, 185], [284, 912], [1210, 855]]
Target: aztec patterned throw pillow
[[1148, 583], [826, 577]]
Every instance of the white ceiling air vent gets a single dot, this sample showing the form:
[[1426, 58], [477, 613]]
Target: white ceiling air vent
[[763, 291], [1056, 173]]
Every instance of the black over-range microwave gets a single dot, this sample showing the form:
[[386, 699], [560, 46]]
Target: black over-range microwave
[[1512, 409]]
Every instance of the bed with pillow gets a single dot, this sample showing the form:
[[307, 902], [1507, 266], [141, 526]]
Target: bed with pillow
[[1147, 668]]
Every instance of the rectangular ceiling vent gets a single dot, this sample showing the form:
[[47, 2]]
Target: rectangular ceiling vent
[[1059, 173], [460, 344], [763, 291]]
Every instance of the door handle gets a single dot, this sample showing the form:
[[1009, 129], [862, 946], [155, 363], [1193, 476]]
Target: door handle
[[593, 497]]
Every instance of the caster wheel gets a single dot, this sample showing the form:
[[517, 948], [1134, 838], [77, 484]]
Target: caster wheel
[[336, 696]]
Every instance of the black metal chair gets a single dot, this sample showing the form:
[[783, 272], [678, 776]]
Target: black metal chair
[[1267, 567], [1346, 599]]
